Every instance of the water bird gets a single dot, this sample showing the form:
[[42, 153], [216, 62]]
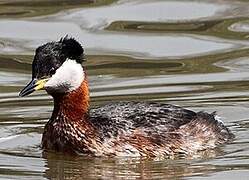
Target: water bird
[[148, 129]]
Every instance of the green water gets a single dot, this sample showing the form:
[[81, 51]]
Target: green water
[[190, 53]]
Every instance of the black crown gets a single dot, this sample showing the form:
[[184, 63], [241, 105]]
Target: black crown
[[72, 49]]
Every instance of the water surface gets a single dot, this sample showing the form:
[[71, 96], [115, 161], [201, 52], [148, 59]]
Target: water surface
[[190, 53]]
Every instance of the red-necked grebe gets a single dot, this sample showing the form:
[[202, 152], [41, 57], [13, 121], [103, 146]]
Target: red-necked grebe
[[116, 129]]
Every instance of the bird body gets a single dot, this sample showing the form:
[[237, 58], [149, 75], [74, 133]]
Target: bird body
[[115, 129]]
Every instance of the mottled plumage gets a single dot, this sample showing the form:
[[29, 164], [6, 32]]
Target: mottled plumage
[[115, 129], [143, 129]]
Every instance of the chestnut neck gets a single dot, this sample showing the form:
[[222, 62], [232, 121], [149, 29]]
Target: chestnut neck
[[74, 105]]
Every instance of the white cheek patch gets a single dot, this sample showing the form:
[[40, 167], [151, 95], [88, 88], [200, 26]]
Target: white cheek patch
[[67, 78]]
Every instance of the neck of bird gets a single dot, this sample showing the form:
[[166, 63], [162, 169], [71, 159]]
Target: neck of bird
[[70, 116], [73, 105]]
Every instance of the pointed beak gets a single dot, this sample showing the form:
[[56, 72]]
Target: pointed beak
[[32, 86]]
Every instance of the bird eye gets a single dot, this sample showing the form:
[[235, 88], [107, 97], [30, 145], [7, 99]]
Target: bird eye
[[52, 71]]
